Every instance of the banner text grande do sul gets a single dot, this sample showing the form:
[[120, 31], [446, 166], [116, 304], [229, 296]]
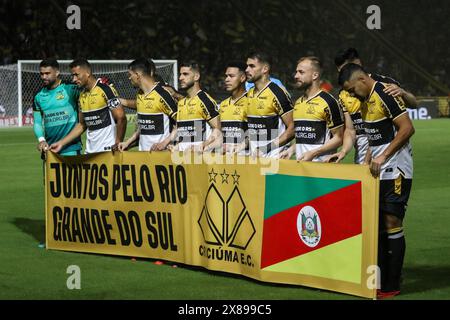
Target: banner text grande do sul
[[310, 224]]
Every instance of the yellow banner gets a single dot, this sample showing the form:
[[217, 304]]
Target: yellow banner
[[275, 221]]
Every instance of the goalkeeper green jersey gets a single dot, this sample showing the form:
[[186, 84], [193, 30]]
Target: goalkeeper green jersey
[[55, 113]]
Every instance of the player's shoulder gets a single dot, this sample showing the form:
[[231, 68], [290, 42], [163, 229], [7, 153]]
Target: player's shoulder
[[384, 79], [205, 98], [225, 102], [162, 91], [386, 98], [328, 98], [277, 89], [71, 87], [39, 92], [108, 89]]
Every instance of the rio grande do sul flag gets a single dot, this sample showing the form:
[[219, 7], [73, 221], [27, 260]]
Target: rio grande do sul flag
[[319, 227]]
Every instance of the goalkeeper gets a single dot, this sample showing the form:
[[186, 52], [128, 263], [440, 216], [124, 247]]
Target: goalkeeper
[[55, 110]]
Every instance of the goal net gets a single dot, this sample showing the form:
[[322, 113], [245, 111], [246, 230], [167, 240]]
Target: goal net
[[20, 82]]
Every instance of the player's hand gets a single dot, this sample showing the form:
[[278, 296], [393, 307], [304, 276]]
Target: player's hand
[[115, 147], [375, 165], [307, 156], [394, 90], [255, 153], [335, 157], [158, 147], [173, 148], [197, 148], [55, 147], [122, 146], [42, 146], [230, 148], [286, 154]]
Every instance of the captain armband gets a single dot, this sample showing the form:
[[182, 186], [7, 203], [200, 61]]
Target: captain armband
[[113, 103]]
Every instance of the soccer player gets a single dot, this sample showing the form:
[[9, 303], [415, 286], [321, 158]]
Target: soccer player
[[270, 124], [353, 106], [131, 103], [388, 128], [198, 121], [101, 113], [55, 110], [155, 109], [318, 119], [233, 110]]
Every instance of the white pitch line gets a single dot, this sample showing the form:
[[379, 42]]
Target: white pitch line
[[15, 144]]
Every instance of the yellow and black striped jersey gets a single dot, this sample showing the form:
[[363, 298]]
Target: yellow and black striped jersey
[[154, 111], [192, 119], [378, 114], [96, 105], [233, 117], [265, 110], [353, 106], [313, 120]]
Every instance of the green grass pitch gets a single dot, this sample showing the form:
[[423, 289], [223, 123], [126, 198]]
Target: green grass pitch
[[30, 272]]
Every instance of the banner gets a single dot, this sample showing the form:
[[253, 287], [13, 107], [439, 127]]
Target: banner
[[281, 221]]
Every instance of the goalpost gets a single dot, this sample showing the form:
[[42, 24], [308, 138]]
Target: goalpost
[[19, 83]]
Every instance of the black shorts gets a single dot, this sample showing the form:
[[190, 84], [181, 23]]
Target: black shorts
[[394, 195]]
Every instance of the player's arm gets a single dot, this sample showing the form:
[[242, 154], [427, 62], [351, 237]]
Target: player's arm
[[397, 91], [128, 103], [77, 131], [117, 111], [395, 109], [130, 142], [174, 93], [170, 108], [289, 152], [405, 130], [38, 128], [121, 123], [215, 140], [286, 113], [348, 140]]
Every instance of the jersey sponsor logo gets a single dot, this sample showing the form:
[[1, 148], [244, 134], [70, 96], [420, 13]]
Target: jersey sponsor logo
[[191, 131], [263, 128], [309, 227], [310, 132], [97, 119], [57, 116], [358, 123], [233, 131], [379, 133], [151, 124]]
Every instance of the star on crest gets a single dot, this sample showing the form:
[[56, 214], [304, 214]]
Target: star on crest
[[235, 177], [212, 175], [224, 176]]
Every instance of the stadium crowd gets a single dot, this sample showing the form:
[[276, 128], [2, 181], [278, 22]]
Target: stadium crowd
[[216, 33]]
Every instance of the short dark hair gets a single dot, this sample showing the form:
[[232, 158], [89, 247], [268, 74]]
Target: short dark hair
[[237, 64], [315, 61], [191, 64], [343, 56], [49, 62], [147, 66], [347, 71], [261, 56], [83, 63]]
